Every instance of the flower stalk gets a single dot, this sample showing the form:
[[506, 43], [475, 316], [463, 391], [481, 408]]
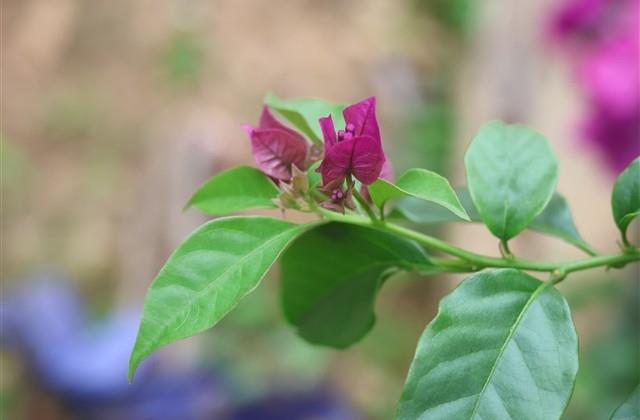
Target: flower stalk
[[468, 261]]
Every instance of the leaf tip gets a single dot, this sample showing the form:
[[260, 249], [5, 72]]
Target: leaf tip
[[194, 197], [135, 359], [188, 205], [269, 98], [133, 365], [462, 213]]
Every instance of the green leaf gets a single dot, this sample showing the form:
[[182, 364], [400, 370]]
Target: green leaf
[[625, 200], [422, 184], [630, 409], [332, 274], [304, 113], [239, 188], [206, 276], [314, 177], [512, 174], [428, 213], [502, 346], [555, 220]]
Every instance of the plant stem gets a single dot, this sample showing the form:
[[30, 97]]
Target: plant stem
[[363, 203], [483, 261], [454, 265], [505, 251], [470, 261]]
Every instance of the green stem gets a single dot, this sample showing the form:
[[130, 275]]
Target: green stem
[[455, 265], [505, 251], [363, 203], [470, 261], [483, 261], [381, 211]]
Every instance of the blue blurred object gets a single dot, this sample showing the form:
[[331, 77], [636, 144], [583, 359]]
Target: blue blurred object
[[47, 322], [317, 405], [83, 363], [190, 394]]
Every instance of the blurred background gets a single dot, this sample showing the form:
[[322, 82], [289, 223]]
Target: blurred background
[[113, 113]]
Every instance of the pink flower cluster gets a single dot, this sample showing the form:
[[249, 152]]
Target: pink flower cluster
[[350, 153], [602, 40]]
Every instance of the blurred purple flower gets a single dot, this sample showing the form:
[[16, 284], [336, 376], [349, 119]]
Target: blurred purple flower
[[577, 19], [616, 138], [84, 362], [276, 147], [603, 41], [609, 74], [46, 320], [318, 404], [355, 150]]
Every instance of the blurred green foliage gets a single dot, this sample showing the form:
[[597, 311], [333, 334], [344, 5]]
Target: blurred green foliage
[[183, 59], [256, 347], [455, 15], [428, 136], [15, 166], [72, 114], [610, 362]]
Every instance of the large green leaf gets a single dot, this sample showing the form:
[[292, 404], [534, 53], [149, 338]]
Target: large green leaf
[[332, 274], [511, 174], [304, 113], [502, 346], [422, 184], [555, 219], [206, 276], [625, 200], [630, 409], [239, 188]]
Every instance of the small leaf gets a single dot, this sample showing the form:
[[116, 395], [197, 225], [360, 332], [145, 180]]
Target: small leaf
[[206, 277], [630, 409], [555, 220], [240, 188], [428, 213], [625, 200], [314, 176], [304, 113], [512, 174], [422, 184], [502, 346], [332, 274]]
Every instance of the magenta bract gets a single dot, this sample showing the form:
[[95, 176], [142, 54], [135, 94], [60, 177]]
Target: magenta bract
[[276, 147], [357, 149], [387, 173]]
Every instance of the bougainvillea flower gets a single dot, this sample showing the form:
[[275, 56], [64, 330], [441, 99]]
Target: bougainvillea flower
[[355, 150], [387, 173], [276, 147], [339, 199]]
